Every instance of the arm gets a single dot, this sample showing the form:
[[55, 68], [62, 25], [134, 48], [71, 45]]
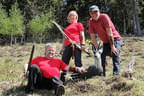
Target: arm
[[91, 31], [93, 39], [63, 45], [82, 40], [25, 69], [82, 37], [75, 69], [111, 40]]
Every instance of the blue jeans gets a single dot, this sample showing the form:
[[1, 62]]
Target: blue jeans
[[115, 57]]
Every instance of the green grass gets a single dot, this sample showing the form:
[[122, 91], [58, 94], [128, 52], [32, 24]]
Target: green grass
[[12, 82]]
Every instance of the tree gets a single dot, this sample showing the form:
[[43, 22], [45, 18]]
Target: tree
[[40, 24], [4, 21], [140, 7], [11, 25], [17, 23]]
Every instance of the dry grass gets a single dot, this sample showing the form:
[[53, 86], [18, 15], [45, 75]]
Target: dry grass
[[12, 82]]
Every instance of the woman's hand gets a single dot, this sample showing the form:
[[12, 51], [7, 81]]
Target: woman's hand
[[61, 51], [83, 47]]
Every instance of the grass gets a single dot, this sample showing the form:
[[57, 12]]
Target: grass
[[12, 82]]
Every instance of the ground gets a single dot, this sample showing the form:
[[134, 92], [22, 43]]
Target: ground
[[12, 81]]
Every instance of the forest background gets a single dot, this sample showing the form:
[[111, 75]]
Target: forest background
[[29, 20]]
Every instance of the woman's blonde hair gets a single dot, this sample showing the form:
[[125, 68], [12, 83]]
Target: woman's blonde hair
[[72, 12]]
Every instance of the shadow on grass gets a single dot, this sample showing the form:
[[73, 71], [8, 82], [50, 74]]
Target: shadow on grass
[[20, 91]]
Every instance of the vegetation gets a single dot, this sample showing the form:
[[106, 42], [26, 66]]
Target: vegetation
[[12, 82], [39, 25], [12, 25]]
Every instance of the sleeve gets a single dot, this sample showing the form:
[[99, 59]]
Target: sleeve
[[80, 26], [90, 27], [63, 65], [106, 21]]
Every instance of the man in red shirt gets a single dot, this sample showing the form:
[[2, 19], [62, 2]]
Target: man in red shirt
[[102, 25], [45, 71]]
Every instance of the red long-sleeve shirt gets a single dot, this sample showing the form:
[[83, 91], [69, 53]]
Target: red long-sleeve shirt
[[49, 67]]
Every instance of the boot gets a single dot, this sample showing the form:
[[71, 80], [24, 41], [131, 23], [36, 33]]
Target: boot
[[59, 90]]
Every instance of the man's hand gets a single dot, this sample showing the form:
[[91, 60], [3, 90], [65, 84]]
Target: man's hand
[[114, 50], [80, 70], [111, 40], [76, 69], [25, 70], [26, 73]]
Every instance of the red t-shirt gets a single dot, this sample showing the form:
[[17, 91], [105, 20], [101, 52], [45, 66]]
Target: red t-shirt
[[49, 67], [73, 32], [100, 26]]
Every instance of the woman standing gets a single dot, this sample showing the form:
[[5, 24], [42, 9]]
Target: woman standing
[[75, 31]]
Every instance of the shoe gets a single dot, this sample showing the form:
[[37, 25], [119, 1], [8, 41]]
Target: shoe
[[59, 90]]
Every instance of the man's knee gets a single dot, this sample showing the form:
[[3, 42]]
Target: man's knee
[[35, 67], [35, 74]]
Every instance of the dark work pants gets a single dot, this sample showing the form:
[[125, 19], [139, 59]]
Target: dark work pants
[[37, 81], [115, 57], [67, 54]]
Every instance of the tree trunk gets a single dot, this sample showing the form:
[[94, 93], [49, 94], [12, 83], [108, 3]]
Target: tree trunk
[[137, 29], [11, 40], [124, 25], [22, 40], [15, 40], [134, 25]]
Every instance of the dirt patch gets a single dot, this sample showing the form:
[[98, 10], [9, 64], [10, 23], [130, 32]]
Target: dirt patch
[[81, 87], [122, 86], [119, 84]]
